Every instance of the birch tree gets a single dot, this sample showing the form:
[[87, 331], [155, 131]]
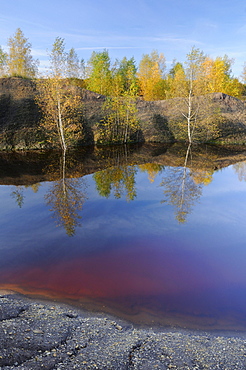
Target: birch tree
[[74, 65], [126, 73], [20, 61], [150, 74], [176, 82], [194, 64], [3, 62], [60, 102], [120, 120], [194, 115], [99, 73]]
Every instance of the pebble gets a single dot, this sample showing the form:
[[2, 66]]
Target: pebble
[[70, 340]]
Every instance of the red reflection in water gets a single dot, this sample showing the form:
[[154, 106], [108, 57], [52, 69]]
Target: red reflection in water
[[161, 279], [121, 272]]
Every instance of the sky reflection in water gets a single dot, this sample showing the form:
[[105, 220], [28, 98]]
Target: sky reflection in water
[[137, 257]]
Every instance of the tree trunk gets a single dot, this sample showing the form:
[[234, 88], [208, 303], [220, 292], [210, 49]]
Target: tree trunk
[[189, 116], [184, 177], [63, 144], [64, 171]]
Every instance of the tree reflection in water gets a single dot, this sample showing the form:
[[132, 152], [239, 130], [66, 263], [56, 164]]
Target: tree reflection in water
[[183, 187], [66, 199], [184, 172], [182, 184], [153, 169], [240, 169], [18, 193], [118, 180]]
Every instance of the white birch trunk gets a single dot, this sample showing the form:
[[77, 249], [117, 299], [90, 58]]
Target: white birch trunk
[[184, 177], [60, 125], [189, 116]]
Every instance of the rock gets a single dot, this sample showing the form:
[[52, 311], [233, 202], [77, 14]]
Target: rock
[[60, 337]]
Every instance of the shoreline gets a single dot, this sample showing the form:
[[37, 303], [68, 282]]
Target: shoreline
[[39, 334], [139, 319]]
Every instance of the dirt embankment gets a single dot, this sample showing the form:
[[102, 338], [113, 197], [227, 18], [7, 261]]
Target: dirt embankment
[[20, 117]]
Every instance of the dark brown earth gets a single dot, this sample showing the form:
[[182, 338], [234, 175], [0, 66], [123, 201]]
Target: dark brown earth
[[20, 117]]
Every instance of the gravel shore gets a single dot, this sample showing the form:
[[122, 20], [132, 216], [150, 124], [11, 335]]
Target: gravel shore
[[38, 335]]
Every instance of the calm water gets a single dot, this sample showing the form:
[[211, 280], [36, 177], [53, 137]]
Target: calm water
[[148, 242]]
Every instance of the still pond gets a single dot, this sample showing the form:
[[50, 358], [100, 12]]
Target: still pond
[[153, 235]]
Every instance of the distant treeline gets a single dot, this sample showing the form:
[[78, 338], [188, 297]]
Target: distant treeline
[[150, 79]]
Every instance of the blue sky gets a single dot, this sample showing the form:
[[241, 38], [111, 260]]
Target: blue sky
[[130, 28]]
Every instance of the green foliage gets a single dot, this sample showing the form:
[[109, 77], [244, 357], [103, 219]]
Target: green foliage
[[120, 120], [177, 84], [122, 82], [177, 66], [149, 79], [125, 72], [99, 73], [119, 180]]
